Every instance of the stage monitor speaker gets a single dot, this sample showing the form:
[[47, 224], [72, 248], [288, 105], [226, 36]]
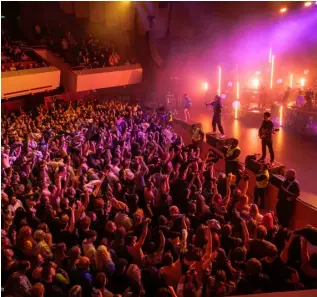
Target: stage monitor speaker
[[276, 180], [252, 164], [187, 125], [216, 142]]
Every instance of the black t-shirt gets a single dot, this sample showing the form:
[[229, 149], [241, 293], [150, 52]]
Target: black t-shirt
[[178, 192], [254, 284], [292, 186], [70, 239], [258, 249], [221, 261], [118, 283], [217, 107], [267, 129], [274, 270], [230, 242], [52, 290]]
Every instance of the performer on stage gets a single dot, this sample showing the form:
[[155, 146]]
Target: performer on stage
[[265, 133], [187, 106], [216, 120]]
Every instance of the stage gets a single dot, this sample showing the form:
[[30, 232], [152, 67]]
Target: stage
[[290, 149]]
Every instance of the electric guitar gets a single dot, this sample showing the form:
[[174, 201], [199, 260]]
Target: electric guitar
[[264, 133]]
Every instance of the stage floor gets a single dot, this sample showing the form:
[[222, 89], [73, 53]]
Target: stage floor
[[289, 149]]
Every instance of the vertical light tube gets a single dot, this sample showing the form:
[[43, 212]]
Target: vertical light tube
[[219, 81], [236, 110], [272, 71], [238, 90], [270, 55], [291, 80]]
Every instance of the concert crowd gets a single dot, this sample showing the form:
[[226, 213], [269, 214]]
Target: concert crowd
[[104, 199]]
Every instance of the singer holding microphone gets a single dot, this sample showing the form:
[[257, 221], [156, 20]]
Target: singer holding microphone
[[216, 120]]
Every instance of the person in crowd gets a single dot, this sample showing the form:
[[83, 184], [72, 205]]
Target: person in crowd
[[232, 158], [261, 183], [97, 200], [287, 195]]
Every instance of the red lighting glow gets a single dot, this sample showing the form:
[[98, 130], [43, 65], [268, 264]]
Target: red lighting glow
[[255, 83], [291, 80], [284, 9]]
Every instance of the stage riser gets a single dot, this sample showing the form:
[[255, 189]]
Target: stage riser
[[186, 125]]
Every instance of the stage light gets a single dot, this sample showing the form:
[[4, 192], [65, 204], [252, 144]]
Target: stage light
[[219, 81], [306, 72], [302, 82], [272, 71], [279, 81], [236, 106], [281, 115], [238, 90], [284, 9], [291, 80], [255, 83], [307, 4], [205, 86]]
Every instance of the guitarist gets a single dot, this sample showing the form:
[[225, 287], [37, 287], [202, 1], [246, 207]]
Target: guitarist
[[265, 133]]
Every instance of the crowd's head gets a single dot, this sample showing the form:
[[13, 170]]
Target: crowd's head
[[104, 199]]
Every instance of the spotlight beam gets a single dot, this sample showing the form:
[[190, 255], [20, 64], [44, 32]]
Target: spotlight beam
[[219, 81], [272, 71]]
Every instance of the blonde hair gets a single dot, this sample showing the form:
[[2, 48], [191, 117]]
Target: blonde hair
[[254, 210], [102, 254], [133, 272]]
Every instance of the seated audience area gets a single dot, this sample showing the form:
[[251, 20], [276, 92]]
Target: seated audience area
[[13, 57], [82, 52]]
